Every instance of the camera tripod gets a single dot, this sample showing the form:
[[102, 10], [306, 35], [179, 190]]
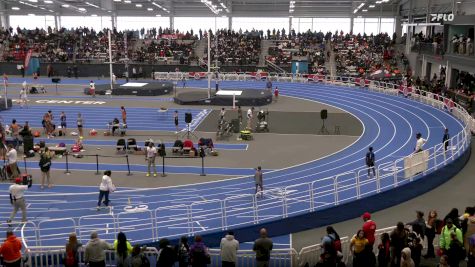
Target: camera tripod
[[188, 132]]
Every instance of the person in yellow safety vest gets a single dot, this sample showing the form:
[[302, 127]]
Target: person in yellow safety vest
[[445, 238]]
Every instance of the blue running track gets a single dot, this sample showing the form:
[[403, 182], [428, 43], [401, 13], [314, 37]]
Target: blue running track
[[390, 124]]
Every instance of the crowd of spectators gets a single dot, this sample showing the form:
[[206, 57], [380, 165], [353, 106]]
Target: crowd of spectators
[[234, 48], [308, 45], [462, 45], [88, 45], [363, 55], [432, 43]]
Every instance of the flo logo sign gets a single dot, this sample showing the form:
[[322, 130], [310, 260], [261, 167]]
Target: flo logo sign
[[441, 17]]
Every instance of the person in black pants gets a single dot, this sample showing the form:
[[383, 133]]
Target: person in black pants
[[370, 162], [105, 188], [446, 139]]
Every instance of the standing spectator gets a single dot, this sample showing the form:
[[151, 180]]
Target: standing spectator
[[71, 258], [406, 260], [384, 251], [431, 228], [250, 115], [124, 114], [15, 129], [269, 85], [329, 245], [134, 73], [151, 154], [221, 114], [23, 97], [444, 261], [357, 246], [239, 112], [470, 228], [166, 254], [229, 247], [276, 94], [263, 247], [199, 255], [11, 250], [95, 255], [137, 258], [45, 165], [418, 225], [80, 124], [419, 143], [258, 179], [471, 251], [63, 123], [369, 228], [446, 139], [454, 215], [398, 241], [122, 249], [456, 251], [17, 199], [12, 159], [416, 250], [92, 89], [183, 252], [445, 236], [370, 159], [175, 119], [105, 188]]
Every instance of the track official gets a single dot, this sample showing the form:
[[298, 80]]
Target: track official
[[17, 199]]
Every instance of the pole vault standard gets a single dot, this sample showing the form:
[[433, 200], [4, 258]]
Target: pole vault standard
[[209, 64], [110, 58]]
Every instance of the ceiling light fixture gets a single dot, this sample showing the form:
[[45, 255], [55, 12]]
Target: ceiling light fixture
[[365, 10], [48, 2], [15, 8], [33, 1], [127, 1], [93, 15], [371, 6], [82, 9], [117, 0], [138, 5], [90, 4], [65, 5], [150, 9], [211, 6], [31, 15]]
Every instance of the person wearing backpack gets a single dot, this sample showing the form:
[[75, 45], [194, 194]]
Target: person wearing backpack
[[137, 258], [72, 256], [199, 255], [166, 254], [331, 245], [45, 166], [183, 252]]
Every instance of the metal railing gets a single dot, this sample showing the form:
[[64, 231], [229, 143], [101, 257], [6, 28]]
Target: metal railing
[[239, 210]]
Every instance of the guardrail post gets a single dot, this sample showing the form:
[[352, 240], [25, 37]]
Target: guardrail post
[[128, 165], [284, 203], [312, 203], [97, 164], [358, 185], [163, 167], [203, 164], [335, 187], [395, 174], [190, 221], [256, 214], [378, 181], [67, 163]]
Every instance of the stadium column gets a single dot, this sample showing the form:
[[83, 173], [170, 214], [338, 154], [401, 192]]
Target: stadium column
[[352, 21], [409, 28], [172, 23], [429, 11], [230, 23], [114, 20], [3, 16], [57, 20], [290, 25]]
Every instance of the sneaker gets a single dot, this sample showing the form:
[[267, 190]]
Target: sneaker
[[98, 208], [155, 175], [148, 174], [42, 187], [50, 185]]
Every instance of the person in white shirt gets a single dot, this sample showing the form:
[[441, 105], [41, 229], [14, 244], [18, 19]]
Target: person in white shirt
[[105, 188], [222, 113], [23, 97], [92, 89], [419, 143], [150, 156], [229, 247], [250, 115], [12, 159], [17, 199]]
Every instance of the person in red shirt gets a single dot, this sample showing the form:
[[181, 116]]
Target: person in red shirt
[[276, 93], [11, 250], [369, 228]]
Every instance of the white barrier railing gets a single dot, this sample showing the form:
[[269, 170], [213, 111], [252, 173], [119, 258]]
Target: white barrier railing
[[279, 203]]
